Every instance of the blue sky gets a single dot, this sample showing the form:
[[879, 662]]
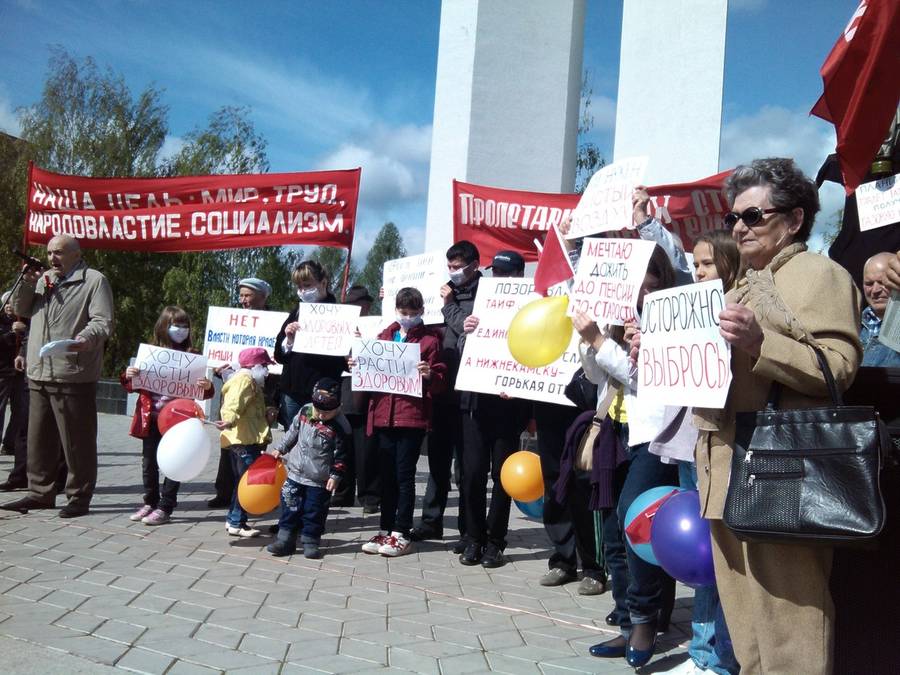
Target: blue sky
[[346, 82]]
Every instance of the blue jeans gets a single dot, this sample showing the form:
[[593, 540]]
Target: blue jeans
[[304, 509], [642, 584], [710, 646], [242, 456], [289, 409], [398, 452]]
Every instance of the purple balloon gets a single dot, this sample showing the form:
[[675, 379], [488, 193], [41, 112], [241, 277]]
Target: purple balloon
[[680, 540]]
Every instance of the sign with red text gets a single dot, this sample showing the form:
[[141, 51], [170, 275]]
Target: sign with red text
[[609, 278], [495, 219], [194, 213], [486, 365], [606, 202], [229, 330], [426, 273], [683, 359], [169, 372], [386, 367], [325, 328], [878, 203]]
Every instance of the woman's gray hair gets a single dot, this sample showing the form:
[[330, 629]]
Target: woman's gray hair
[[790, 188]]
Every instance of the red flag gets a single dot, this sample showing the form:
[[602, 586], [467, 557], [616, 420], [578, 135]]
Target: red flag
[[262, 471], [553, 264], [862, 87]]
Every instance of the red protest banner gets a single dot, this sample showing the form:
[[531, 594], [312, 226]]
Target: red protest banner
[[496, 218], [194, 213]]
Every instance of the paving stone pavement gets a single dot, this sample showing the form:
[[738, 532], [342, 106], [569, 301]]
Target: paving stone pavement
[[186, 598]]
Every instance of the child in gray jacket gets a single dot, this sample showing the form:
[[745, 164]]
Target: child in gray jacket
[[314, 445]]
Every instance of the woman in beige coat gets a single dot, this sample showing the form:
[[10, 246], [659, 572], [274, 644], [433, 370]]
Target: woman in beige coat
[[775, 596]]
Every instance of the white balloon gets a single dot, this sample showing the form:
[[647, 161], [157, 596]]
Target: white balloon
[[184, 450]]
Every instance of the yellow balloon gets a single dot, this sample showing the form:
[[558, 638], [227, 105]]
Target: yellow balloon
[[521, 476], [261, 498], [540, 332]]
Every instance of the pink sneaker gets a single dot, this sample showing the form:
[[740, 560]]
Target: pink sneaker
[[375, 543], [158, 517], [141, 513]]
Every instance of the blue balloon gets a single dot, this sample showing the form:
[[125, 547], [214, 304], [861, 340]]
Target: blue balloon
[[640, 503], [681, 542], [533, 509]]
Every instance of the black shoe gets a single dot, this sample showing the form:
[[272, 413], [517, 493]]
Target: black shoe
[[371, 508], [493, 557], [9, 485], [281, 548], [26, 504], [459, 546], [343, 502], [218, 502], [613, 619], [6, 450], [421, 533], [472, 554], [73, 511]]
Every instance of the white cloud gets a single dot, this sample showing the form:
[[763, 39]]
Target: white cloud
[[603, 109], [9, 121], [171, 146], [778, 132]]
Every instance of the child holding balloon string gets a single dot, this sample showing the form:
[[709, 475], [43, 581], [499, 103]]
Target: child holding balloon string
[[245, 427], [172, 331], [315, 448]]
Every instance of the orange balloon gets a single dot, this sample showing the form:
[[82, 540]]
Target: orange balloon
[[259, 499], [521, 476]]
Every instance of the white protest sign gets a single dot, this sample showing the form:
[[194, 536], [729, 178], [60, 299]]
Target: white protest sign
[[426, 272], [486, 365], [169, 372], [230, 330], [386, 367], [606, 202], [609, 278], [878, 203], [325, 328], [683, 359], [370, 327]]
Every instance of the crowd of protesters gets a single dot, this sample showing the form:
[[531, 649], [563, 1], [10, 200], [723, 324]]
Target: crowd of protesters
[[770, 610]]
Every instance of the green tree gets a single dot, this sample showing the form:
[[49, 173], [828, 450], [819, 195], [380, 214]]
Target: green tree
[[88, 122], [334, 260], [13, 177], [588, 159], [388, 245]]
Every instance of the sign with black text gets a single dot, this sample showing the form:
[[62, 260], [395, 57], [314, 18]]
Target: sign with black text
[[169, 372], [386, 367], [325, 328]]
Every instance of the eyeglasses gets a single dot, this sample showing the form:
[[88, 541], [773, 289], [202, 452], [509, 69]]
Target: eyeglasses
[[751, 216]]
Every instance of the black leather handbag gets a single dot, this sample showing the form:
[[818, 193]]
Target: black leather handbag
[[807, 476]]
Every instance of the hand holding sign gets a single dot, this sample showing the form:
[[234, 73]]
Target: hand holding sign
[[606, 202], [739, 327]]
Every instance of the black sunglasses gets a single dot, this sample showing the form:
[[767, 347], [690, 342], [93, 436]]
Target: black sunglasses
[[751, 216]]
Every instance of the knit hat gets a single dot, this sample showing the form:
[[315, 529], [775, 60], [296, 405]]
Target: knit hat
[[326, 394]]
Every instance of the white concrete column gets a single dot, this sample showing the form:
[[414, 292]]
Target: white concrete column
[[669, 105], [506, 100]]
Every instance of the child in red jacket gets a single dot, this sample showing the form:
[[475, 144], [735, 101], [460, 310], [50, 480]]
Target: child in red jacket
[[399, 423], [172, 331]]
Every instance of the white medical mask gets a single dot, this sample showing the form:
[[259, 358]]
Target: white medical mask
[[179, 334], [308, 294], [258, 373], [459, 276], [409, 322]]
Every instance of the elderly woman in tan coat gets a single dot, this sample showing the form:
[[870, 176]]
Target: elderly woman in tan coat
[[775, 596]]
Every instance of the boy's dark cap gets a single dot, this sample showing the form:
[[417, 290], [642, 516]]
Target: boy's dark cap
[[326, 394], [507, 261]]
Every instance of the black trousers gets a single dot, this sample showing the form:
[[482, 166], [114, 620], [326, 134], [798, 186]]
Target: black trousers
[[14, 395], [570, 525], [444, 442], [225, 482], [165, 498], [361, 472], [485, 450]]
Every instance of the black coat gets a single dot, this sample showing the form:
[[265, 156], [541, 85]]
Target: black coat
[[302, 371]]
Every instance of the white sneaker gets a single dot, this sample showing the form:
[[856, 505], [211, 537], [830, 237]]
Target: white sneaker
[[141, 513], [687, 667], [242, 531], [375, 543], [396, 545]]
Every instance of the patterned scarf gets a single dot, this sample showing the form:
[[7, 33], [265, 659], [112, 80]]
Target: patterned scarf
[[757, 288]]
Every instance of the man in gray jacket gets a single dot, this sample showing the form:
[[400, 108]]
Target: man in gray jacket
[[74, 303]]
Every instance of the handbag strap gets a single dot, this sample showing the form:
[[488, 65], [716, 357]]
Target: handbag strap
[[836, 398]]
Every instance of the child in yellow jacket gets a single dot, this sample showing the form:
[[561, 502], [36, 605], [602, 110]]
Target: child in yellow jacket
[[245, 429]]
